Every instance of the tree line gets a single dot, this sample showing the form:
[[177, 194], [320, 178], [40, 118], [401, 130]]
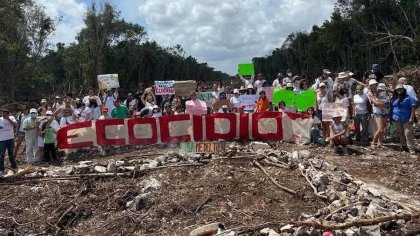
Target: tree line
[[359, 34], [31, 68]]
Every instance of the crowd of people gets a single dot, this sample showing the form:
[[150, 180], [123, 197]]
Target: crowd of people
[[373, 105]]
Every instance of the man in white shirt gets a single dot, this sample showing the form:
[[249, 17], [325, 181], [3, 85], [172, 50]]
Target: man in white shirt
[[277, 83], [259, 82], [30, 125], [7, 139]]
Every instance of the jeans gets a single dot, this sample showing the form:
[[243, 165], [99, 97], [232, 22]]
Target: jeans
[[49, 148], [9, 145], [361, 119], [405, 134]]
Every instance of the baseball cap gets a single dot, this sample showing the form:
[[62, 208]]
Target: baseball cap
[[289, 85], [33, 110], [402, 80], [326, 71], [399, 86], [49, 113], [322, 85], [43, 100], [155, 107], [224, 107], [373, 81], [236, 91], [376, 67]]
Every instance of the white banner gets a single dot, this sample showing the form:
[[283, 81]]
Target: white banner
[[108, 81], [164, 87]]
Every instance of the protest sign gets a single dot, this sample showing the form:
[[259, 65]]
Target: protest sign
[[164, 87], [204, 147], [284, 95], [246, 69], [249, 101], [196, 107], [217, 104], [206, 97], [268, 92], [305, 100], [108, 81], [184, 88], [330, 109]]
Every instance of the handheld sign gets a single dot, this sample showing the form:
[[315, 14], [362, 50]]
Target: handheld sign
[[108, 81], [196, 107], [204, 147], [249, 101], [268, 92], [164, 87], [246, 69], [330, 109], [184, 88], [305, 100]]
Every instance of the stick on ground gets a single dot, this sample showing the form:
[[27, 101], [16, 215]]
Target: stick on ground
[[273, 180]]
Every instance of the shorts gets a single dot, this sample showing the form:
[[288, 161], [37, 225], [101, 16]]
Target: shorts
[[377, 115], [21, 134]]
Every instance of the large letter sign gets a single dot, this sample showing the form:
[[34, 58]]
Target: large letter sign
[[275, 126]]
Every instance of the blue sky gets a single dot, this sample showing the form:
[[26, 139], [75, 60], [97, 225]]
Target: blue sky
[[221, 33]]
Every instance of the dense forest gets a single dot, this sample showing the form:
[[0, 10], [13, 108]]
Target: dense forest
[[30, 68], [359, 33]]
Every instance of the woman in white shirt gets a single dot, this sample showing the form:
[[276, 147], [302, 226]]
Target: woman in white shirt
[[361, 115]]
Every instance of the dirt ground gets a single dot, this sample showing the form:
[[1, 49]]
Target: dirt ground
[[231, 190]]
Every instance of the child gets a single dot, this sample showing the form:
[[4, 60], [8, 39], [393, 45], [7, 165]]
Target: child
[[263, 104], [105, 115], [338, 138], [48, 133]]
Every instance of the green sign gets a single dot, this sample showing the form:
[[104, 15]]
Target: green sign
[[284, 95], [301, 101], [246, 69], [188, 147], [305, 100]]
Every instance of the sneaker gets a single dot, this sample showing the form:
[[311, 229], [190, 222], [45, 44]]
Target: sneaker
[[345, 151]]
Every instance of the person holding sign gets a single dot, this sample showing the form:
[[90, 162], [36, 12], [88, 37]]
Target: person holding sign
[[259, 82], [263, 104], [148, 99]]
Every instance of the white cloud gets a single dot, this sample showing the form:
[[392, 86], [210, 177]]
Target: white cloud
[[71, 13], [226, 33]]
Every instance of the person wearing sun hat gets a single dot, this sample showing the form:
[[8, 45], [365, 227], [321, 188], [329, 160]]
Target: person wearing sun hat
[[235, 100], [402, 114], [338, 138]]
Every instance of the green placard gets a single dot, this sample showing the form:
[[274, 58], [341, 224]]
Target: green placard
[[283, 95], [246, 69], [188, 147], [305, 100]]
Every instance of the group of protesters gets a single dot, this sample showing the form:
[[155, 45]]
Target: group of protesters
[[373, 105]]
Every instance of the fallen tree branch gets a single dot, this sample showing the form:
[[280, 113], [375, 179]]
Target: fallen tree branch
[[357, 223], [273, 180], [63, 215], [312, 186], [342, 209], [202, 204], [276, 164]]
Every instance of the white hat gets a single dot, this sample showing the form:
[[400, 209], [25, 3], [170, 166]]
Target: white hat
[[224, 107], [322, 85], [236, 91], [250, 86], [33, 110], [336, 115], [43, 100], [289, 85], [155, 107], [49, 113], [350, 73], [373, 81], [326, 71], [402, 80], [382, 86], [342, 75]]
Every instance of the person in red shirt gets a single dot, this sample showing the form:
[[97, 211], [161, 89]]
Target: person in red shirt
[[263, 104]]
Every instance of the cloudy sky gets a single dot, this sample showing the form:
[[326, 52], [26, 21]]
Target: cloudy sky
[[221, 33]]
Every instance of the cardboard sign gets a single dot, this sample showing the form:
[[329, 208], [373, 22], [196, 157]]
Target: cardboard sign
[[184, 88], [333, 108], [108, 81], [217, 105], [164, 87], [246, 69], [196, 107], [249, 101], [206, 97], [204, 147], [268, 92]]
